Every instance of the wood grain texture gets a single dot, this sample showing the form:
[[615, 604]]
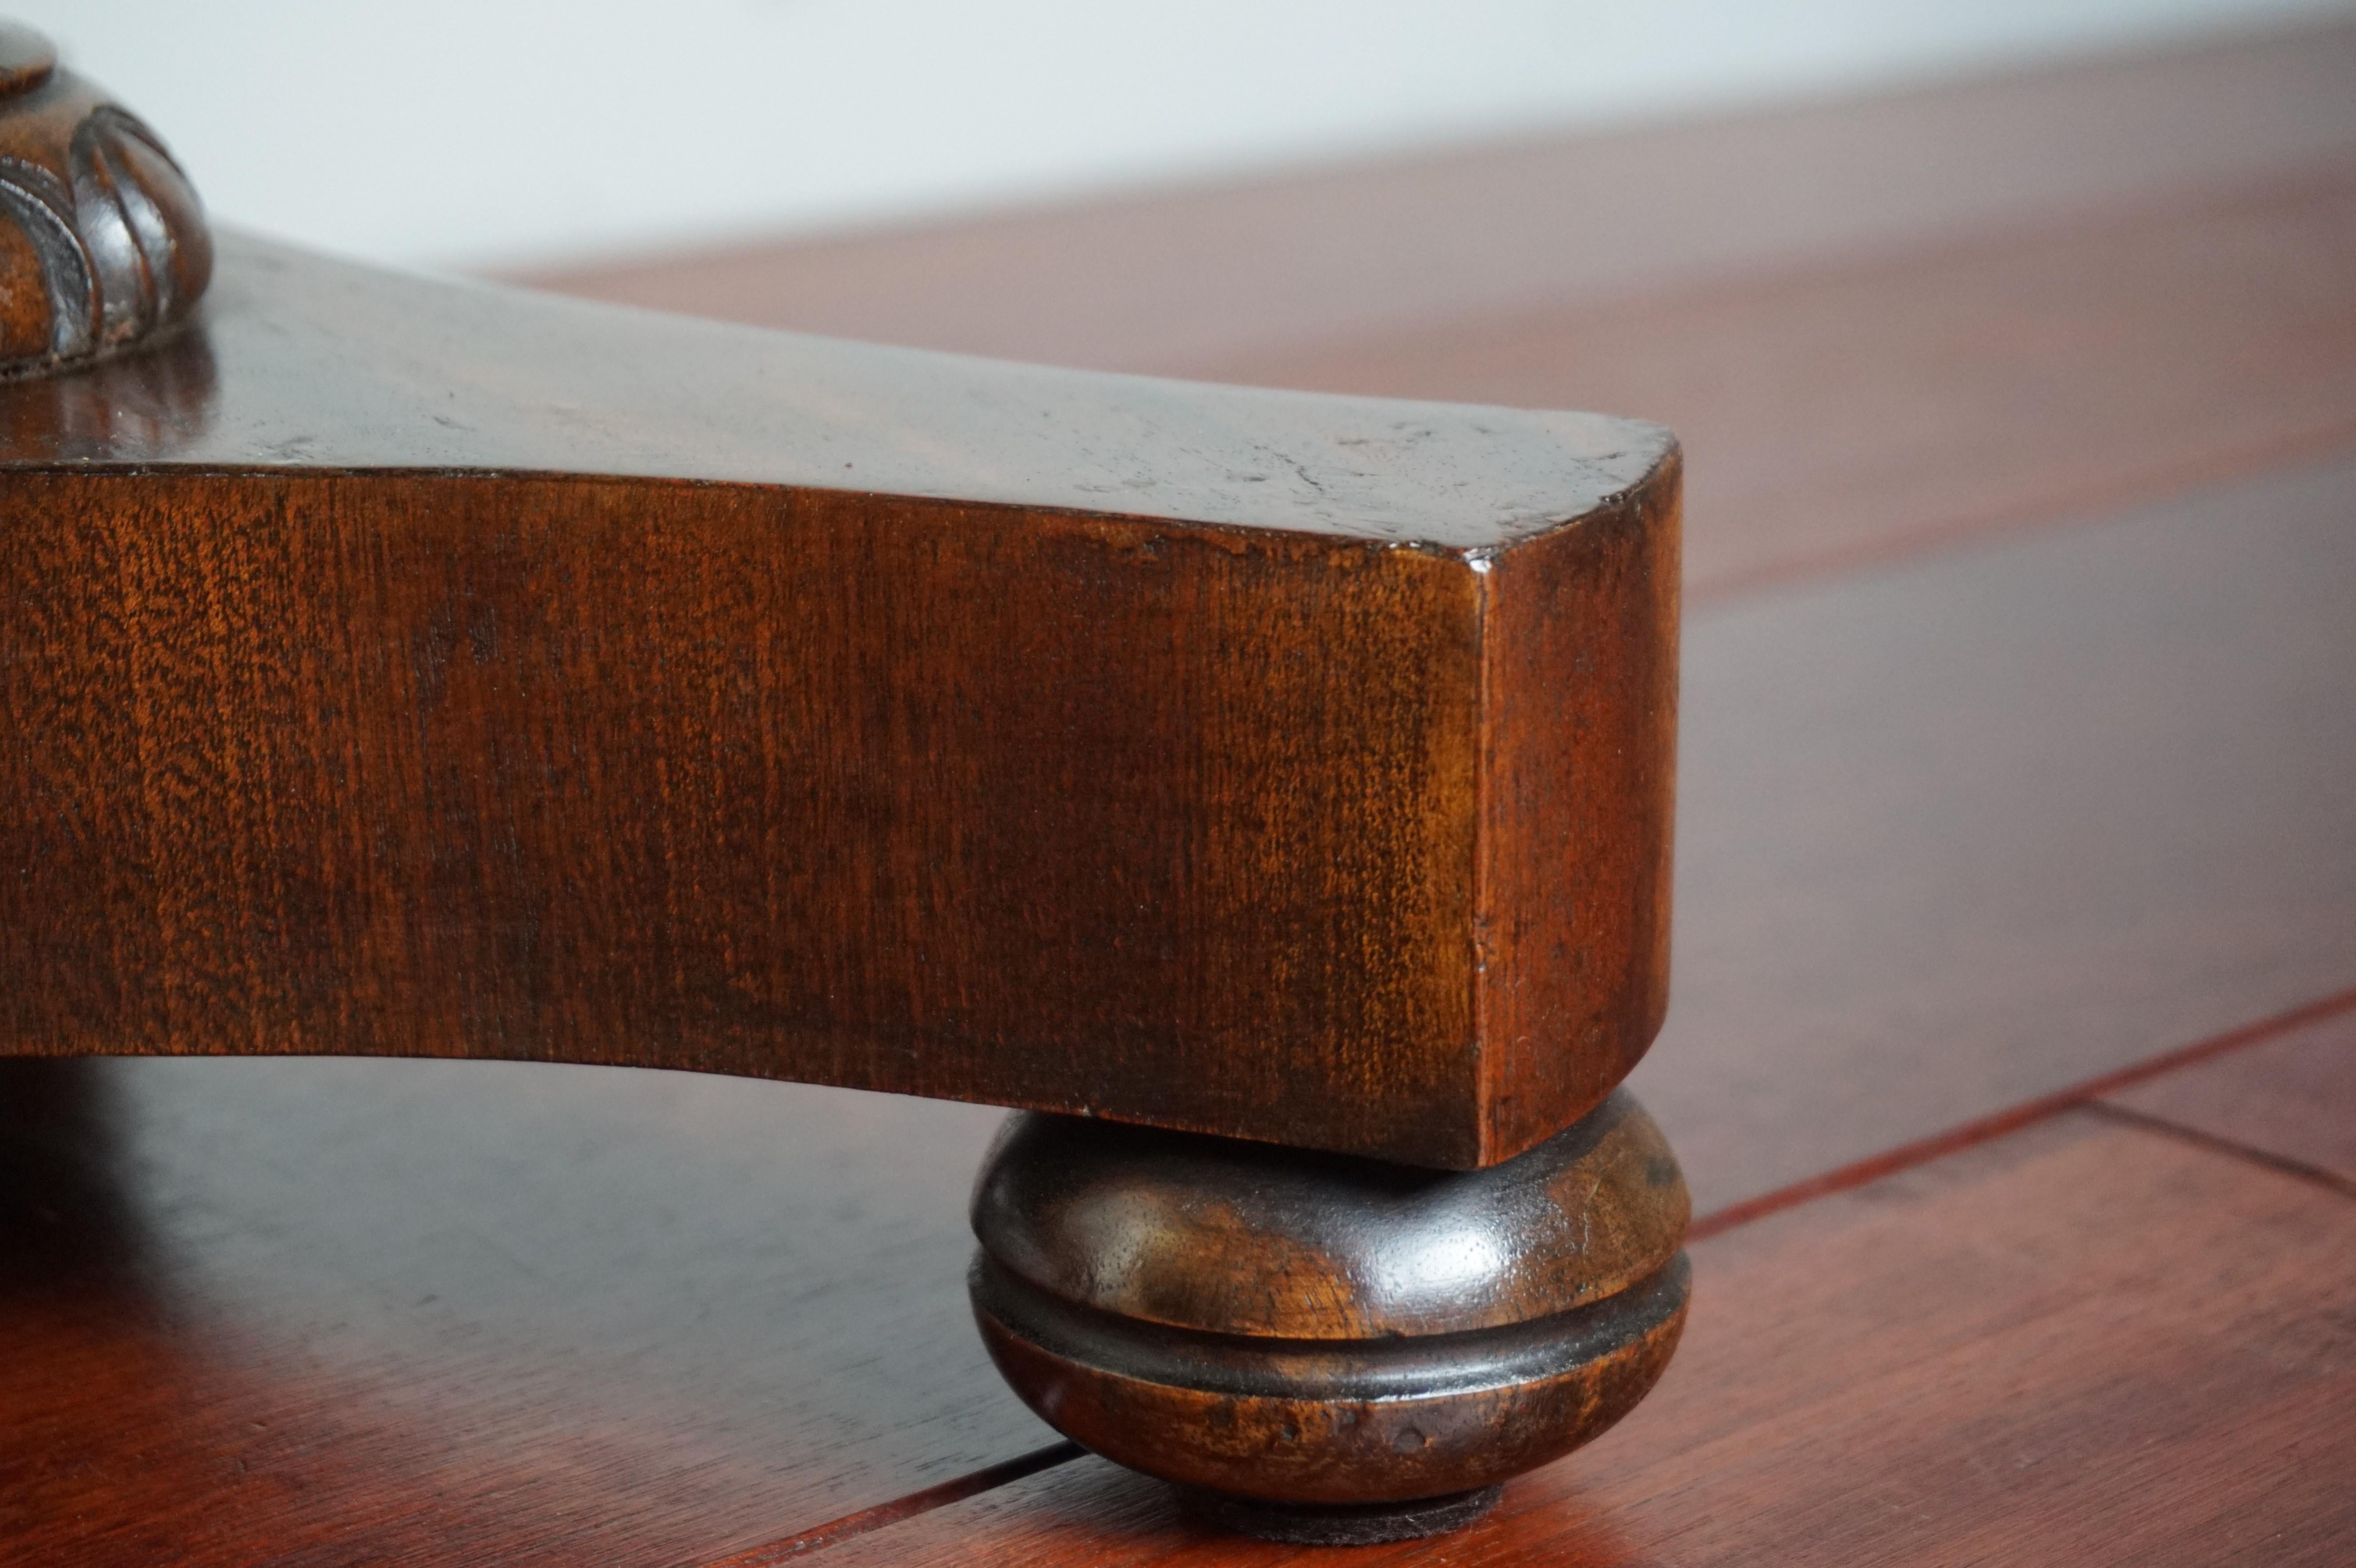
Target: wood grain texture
[[307, 365], [2293, 1098], [1323, 1332], [928, 753], [2084, 1345], [1953, 833], [1876, 325], [1179, 282], [1579, 680], [1959, 833], [355, 1312], [1883, 405], [663, 1322]]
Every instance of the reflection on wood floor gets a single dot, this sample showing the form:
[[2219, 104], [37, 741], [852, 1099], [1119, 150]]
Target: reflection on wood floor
[[2021, 706]]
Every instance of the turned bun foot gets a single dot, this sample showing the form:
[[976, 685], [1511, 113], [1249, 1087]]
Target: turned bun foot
[[1326, 1347]]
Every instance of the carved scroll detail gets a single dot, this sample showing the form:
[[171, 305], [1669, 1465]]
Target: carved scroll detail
[[102, 241]]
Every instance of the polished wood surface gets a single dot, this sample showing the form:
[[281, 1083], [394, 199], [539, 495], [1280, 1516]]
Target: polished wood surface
[[1959, 832], [1323, 1332], [1191, 282], [1879, 326], [353, 1312], [1894, 404], [2073, 1341], [2170, 913], [2292, 1098], [1099, 1217], [2085, 1344], [309, 365], [1256, 763], [104, 246], [1946, 721]]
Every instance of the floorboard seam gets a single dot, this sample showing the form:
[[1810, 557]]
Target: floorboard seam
[[819, 1537], [1987, 1129], [2144, 1121], [2091, 504], [2084, 1095]]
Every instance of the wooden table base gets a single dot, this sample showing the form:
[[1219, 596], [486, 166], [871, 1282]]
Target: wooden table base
[[1309, 1332]]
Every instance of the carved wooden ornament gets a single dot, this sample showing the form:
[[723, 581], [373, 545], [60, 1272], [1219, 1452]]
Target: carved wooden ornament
[[105, 243], [396, 667]]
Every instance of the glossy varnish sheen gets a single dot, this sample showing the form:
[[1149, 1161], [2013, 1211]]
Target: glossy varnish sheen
[[1311, 783], [1317, 1331], [2082, 1344], [356, 1312], [102, 244], [346, 1313]]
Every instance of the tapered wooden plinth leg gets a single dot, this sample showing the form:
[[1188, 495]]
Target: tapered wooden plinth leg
[[1323, 1348]]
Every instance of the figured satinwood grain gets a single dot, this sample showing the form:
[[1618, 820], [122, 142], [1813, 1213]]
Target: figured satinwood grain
[[462, 1313], [1889, 403], [1960, 832], [2085, 1344], [2293, 1097], [410, 668]]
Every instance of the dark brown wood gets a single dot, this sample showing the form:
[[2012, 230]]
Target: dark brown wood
[[102, 242], [351, 1312], [2162, 674], [1311, 1330], [1961, 832], [1283, 767], [673, 1318], [1881, 405], [1194, 282], [1903, 366], [2293, 1098], [2156, 696], [1922, 816], [1884, 403], [2083, 1344]]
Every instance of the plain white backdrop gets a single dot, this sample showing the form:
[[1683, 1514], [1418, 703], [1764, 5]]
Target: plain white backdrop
[[509, 133]]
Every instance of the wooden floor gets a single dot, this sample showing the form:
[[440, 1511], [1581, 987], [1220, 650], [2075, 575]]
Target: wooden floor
[[2013, 1051]]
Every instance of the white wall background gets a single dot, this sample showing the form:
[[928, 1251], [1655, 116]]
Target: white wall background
[[491, 133]]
